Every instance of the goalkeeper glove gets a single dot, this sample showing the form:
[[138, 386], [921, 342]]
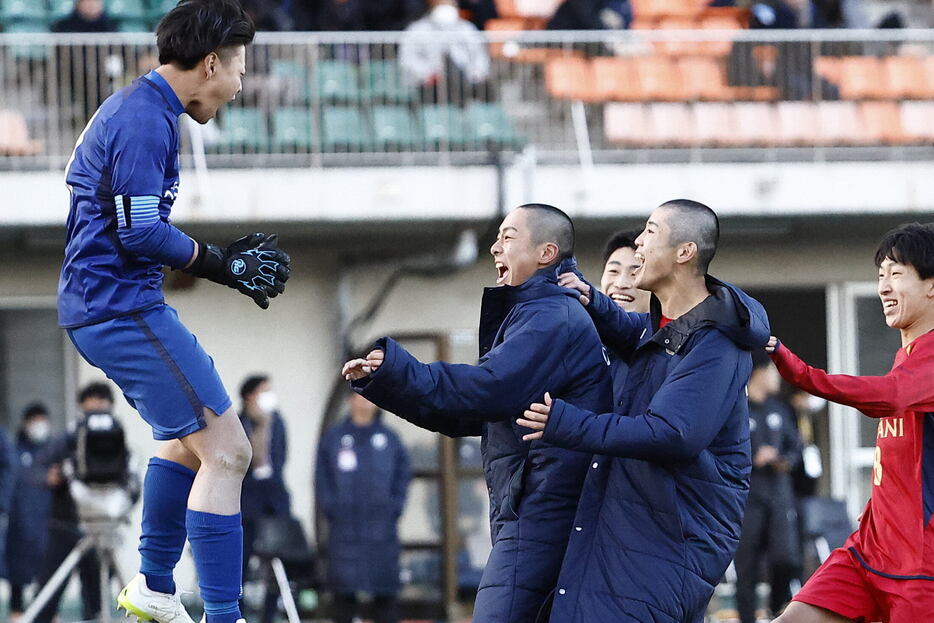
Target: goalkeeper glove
[[253, 265]]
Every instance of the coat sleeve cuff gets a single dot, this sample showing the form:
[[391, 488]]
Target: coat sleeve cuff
[[385, 344], [555, 428]]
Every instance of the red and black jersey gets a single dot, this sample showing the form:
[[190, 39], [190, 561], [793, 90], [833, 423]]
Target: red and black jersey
[[895, 537]]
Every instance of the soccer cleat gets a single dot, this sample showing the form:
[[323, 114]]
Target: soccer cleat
[[147, 605]]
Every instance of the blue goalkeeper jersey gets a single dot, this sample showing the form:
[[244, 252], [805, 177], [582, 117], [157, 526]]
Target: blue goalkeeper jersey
[[123, 178]]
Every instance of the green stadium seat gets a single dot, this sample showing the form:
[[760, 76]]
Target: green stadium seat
[[343, 129], [292, 75], [244, 128], [125, 9], [60, 9], [383, 81], [30, 52], [335, 81], [443, 125], [393, 126], [158, 8], [489, 124], [23, 10], [292, 128], [134, 25]]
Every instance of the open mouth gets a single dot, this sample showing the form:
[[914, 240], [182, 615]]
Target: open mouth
[[619, 297], [888, 306], [502, 273], [641, 259]]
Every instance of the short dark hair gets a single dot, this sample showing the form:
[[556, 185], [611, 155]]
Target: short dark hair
[[251, 383], [696, 223], [552, 225], [911, 244], [619, 240], [195, 28], [96, 390], [34, 409]]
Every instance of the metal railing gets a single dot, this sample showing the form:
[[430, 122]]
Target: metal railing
[[349, 99]]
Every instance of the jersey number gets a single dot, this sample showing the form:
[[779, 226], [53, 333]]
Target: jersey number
[[877, 468]]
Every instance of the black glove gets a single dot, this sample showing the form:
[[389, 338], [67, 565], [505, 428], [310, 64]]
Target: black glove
[[253, 265]]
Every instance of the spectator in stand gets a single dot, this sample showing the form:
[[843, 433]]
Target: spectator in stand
[[269, 14], [452, 69], [263, 493], [770, 525], [592, 15], [29, 508], [7, 482], [361, 479], [480, 11], [362, 14], [87, 16]]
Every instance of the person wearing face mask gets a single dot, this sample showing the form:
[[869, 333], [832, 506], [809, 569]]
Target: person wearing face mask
[[264, 493], [452, 68], [29, 508]]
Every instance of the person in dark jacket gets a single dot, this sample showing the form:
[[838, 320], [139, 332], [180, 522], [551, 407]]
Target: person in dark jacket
[[362, 476], [263, 493], [7, 483], [618, 283], [534, 336], [660, 513], [29, 508], [770, 525]]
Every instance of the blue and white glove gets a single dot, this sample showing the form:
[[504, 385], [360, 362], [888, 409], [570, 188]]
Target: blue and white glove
[[253, 265]]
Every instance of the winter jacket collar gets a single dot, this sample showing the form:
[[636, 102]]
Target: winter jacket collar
[[728, 309]]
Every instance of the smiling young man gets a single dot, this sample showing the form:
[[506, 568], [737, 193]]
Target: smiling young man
[[123, 178], [660, 513], [534, 337], [885, 570]]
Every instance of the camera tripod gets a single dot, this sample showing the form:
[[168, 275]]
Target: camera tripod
[[101, 538]]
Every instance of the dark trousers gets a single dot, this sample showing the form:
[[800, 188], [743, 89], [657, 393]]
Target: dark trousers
[[770, 532], [383, 609], [62, 539]]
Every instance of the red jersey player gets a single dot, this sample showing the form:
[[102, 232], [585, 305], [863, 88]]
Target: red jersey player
[[885, 570]]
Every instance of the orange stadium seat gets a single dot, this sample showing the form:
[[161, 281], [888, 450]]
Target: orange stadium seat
[[717, 22], [797, 123], [627, 124], [861, 78], [755, 123], [616, 79], [929, 74], [917, 124], [506, 8], [829, 68], [658, 78], [675, 47], [838, 123], [703, 78], [713, 124], [671, 124], [882, 122], [570, 78], [14, 135], [664, 8], [905, 77]]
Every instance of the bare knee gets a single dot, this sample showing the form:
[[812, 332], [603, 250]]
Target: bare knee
[[232, 457]]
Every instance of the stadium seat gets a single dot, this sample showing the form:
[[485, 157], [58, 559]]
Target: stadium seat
[[882, 122], [488, 124], [917, 126], [125, 9], [292, 129], [667, 8], [658, 78], [671, 124], [336, 81], [755, 123], [703, 78], [829, 68], [904, 76], [838, 123], [134, 25], [23, 10], [797, 123], [571, 78], [861, 78], [929, 74], [713, 124], [675, 47], [291, 77], [343, 129], [383, 81], [14, 135], [59, 9], [626, 124], [393, 127], [28, 52], [244, 128], [720, 46], [613, 78], [443, 125], [158, 8]]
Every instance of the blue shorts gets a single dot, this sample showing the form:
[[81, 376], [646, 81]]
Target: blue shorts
[[160, 367]]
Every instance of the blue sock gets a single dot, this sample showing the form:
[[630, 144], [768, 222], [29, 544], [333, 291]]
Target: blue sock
[[165, 500], [217, 545]]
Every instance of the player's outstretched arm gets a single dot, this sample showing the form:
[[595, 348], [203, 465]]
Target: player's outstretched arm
[[907, 387], [618, 329], [253, 265]]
